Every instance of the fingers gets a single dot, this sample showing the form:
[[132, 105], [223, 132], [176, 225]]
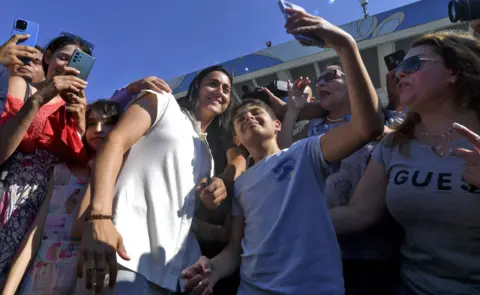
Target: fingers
[[267, 91], [100, 271], [201, 186], [112, 268], [201, 287], [16, 38], [90, 261], [191, 272], [294, 15], [71, 71], [305, 30], [215, 192], [472, 137], [25, 54], [205, 264], [194, 283], [121, 251], [469, 177], [80, 263], [162, 85], [469, 156], [299, 22]]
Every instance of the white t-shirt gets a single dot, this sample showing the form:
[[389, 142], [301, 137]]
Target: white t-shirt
[[289, 244], [155, 195]]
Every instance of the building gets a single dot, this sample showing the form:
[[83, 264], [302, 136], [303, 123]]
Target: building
[[377, 36]]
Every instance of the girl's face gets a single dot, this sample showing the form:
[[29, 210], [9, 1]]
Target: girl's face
[[97, 130], [59, 59]]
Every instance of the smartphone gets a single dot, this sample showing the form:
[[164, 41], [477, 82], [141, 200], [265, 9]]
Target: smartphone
[[309, 40], [22, 27], [82, 62], [393, 60]]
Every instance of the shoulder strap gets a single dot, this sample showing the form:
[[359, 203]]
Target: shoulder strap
[[27, 91]]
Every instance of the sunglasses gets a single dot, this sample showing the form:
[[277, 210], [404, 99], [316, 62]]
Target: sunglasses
[[330, 75], [75, 37], [411, 65]]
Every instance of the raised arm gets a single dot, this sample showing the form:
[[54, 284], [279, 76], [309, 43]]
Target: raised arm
[[297, 100], [100, 236], [367, 205], [14, 129], [367, 119]]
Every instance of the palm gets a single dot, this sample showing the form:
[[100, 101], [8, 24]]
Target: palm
[[297, 99]]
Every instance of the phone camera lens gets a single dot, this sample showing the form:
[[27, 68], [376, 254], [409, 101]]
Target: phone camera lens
[[21, 25]]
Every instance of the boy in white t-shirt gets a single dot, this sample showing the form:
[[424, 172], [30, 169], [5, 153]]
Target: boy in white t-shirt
[[282, 234]]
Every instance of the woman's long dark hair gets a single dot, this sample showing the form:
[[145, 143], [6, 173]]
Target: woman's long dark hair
[[190, 102]]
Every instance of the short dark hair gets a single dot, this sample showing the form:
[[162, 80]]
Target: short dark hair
[[59, 43], [39, 48], [108, 108], [251, 102]]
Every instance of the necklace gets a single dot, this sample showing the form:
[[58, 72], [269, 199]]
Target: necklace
[[335, 120], [438, 149], [443, 135]]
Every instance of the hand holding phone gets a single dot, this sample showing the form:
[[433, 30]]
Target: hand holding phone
[[307, 39], [81, 62], [13, 54], [316, 28], [26, 27]]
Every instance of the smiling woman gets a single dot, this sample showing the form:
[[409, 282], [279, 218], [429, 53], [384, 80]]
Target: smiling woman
[[167, 156]]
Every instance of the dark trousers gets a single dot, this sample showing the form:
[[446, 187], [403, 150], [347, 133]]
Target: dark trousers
[[367, 277]]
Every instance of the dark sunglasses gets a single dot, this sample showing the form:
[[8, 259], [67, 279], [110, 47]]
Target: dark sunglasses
[[411, 65], [75, 37], [330, 75]]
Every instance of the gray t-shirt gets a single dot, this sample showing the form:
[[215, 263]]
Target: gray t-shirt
[[289, 244], [380, 242], [440, 214]]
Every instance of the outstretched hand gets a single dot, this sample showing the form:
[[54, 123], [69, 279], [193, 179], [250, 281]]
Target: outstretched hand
[[303, 23], [471, 173], [297, 98]]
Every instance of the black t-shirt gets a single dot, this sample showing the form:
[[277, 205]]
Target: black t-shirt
[[219, 142]]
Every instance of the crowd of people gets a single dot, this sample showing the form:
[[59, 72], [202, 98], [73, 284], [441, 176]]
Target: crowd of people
[[143, 193]]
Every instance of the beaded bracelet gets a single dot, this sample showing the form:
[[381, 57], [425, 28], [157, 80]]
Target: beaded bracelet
[[98, 217]]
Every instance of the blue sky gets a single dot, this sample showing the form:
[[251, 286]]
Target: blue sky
[[135, 39]]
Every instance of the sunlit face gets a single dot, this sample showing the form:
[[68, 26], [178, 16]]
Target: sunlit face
[[425, 87], [58, 60], [32, 71], [214, 92], [252, 123], [97, 130], [308, 90], [332, 94]]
